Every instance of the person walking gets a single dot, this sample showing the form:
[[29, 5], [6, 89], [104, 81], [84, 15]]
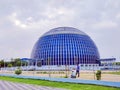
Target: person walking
[[78, 70]]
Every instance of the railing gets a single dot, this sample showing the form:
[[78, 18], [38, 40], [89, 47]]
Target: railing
[[65, 72]]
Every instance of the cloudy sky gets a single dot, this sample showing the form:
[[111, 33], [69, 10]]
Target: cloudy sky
[[22, 22]]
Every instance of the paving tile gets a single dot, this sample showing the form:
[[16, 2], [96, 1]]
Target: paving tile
[[6, 85]]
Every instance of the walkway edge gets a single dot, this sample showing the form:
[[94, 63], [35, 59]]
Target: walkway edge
[[69, 80]]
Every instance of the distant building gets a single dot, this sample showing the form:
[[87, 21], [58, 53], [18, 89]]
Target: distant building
[[107, 63]]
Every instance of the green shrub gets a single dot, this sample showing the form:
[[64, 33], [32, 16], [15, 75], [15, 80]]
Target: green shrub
[[18, 71], [98, 75], [45, 72], [9, 65], [66, 76]]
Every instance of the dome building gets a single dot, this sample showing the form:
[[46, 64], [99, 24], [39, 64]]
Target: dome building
[[66, 46]]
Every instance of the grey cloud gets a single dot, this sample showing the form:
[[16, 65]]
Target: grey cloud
[[82, 14]]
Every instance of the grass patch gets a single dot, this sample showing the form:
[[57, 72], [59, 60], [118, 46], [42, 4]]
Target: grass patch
[[70, 86], [116, 73]]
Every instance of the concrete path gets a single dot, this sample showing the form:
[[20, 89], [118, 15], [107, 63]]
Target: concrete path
[[6, 85]]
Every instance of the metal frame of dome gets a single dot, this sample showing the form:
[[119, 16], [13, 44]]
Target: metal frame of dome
[[64, 30]]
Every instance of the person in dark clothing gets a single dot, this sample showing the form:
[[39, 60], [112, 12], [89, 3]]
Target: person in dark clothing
[[78, 70]]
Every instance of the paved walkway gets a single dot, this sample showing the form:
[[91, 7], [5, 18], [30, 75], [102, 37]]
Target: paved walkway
[[6, 85]]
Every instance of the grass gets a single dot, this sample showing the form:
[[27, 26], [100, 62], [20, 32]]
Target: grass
[[69, 86], [116, 73]]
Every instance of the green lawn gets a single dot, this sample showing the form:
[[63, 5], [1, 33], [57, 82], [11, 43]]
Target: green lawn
[[69, 86], [117, 73]]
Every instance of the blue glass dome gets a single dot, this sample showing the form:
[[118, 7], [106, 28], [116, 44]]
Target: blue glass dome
[[65, 46]]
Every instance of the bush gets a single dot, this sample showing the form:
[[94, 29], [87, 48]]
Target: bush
[[66, 76], [98, 75], [9, 65], [45, 72], [18, 71]]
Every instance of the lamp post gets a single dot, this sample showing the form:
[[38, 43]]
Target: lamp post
[[49, 66], [21, 63], [3, 66], [36, 61], [94, 72], [0, 66]]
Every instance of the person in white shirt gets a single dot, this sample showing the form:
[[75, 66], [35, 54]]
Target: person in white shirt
[[73, 74]]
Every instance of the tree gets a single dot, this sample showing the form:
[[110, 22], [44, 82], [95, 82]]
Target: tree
[[17, 62], [14, 62], [2, 63]]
